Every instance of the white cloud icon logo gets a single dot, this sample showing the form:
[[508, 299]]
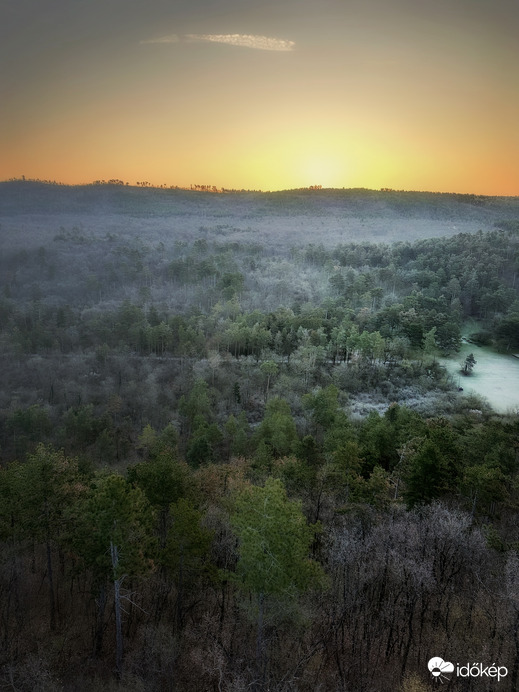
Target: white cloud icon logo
[[439, 667]]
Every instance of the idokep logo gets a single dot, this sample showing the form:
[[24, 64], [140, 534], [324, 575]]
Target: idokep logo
[[439, 667], [478, 670]]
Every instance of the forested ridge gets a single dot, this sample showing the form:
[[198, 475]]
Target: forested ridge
[[231, 464]]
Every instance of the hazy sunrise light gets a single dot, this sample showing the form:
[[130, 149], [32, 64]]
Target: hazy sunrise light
[[342, 93]]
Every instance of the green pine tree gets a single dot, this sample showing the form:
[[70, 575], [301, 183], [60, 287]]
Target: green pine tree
[[274, 546]]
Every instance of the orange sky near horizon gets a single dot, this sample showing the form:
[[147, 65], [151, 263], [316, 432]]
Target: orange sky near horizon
[[287, 94]]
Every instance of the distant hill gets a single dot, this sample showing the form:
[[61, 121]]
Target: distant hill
[[278, 218], [29, 197]]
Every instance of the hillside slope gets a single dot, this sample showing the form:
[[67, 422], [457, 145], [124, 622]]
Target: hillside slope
[[33, 212]]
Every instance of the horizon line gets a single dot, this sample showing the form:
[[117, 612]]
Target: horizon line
[[213, 189]]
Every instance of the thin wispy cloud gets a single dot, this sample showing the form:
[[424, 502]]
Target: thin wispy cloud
[[241, 40], [245, 41], [173, 38]]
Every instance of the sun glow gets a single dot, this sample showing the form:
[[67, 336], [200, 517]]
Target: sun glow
[[320, 169], [267, 108]]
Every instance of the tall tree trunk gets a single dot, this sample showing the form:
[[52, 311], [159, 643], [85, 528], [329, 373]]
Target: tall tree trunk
[[100, 625], [409, 635], [260, 645], [180, 593], [114, 552], [12, 603], [515, 669], [52, 602]]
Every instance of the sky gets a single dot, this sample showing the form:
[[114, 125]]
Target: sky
[[282, 94]]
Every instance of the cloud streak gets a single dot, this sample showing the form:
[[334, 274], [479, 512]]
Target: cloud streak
[[173, 38], [245, 41], [241, 40]]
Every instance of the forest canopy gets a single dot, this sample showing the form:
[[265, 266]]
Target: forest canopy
[[232, 459]]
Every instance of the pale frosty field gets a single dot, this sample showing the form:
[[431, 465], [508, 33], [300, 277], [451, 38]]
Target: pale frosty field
[[276, 232]]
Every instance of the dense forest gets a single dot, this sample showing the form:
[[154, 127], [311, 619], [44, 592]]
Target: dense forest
[[231, 458]]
